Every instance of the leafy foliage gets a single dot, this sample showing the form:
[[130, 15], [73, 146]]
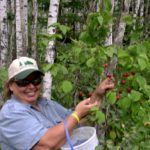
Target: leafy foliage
[[79, 67], [3, 77]]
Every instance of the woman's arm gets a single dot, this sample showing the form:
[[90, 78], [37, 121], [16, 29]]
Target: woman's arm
[[55, 137]]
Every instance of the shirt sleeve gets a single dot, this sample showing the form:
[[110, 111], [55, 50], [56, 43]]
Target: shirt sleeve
[[21, 130]]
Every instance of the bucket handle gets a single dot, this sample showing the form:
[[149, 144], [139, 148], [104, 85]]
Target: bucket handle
[[67, 134]]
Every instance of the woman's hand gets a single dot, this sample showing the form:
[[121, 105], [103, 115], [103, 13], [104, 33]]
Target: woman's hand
[[84, 106], [105, 85]]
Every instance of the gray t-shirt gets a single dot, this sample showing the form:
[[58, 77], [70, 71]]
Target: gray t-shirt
[[22, 126]]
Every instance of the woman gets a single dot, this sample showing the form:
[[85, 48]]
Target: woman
[[28, 121]]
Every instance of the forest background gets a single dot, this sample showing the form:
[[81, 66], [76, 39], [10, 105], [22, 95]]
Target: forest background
[[78, 43]]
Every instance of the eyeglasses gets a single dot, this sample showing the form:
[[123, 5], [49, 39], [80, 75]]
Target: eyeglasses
[[25, 82]]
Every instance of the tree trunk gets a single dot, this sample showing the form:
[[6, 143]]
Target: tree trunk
[[118, 39], [109, 40], [3, 32], [34, 28], [137, 6], [146, 19], [141, 12], [50, 51], [19, 40], [11, 31], [24, 25]]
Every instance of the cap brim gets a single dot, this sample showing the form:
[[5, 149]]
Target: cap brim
[[26, 73]]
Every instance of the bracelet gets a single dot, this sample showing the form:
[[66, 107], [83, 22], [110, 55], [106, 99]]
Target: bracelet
[[74, 114]]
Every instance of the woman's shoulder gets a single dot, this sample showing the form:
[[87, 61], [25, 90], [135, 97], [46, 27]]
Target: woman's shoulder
[[12, 105]]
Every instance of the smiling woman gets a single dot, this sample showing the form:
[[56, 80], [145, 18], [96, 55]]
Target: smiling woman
[[29, 121], [28, 89]]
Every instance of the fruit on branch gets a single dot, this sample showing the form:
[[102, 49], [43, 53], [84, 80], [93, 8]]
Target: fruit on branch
[[89, 94], [109, 76], [80, 94], [125, 75], [117, 97], [123, 82], [129, 90], [105, 65]]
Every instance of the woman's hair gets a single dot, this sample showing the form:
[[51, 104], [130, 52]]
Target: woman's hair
[[7, 92]]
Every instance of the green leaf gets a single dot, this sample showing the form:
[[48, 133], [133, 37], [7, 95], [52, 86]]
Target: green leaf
[[64, 29], [94, 109], [54, 70], [112, 134], [77, 51], [100, 116], [146, 90], [66, 86], [125, 103], [141, 81], [111, 97], [90, 62], [100, 20], [93, 50], [135, 95], [144, 56], [110, 51], [47, 67], [142, 63], [122, 54], [107, 5], [64, 70]]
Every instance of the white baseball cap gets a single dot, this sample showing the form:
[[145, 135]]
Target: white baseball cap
[[21, 67]]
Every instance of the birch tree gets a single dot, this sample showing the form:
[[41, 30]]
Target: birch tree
[[11, 29], [141, 13], [24, 24], [34, 27], [21, 27], [19, 40], [136, 10], [118, 37], [50, 51], [109, 40], [3, 32]]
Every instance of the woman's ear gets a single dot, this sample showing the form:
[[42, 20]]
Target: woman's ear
[[10, 86]]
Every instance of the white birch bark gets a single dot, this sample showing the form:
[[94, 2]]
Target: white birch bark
[[3, 32], [50, 51], [109, 41], [118, 39], [19, 40], [109, 38], [34, 27], [11, 30], [24, 25]]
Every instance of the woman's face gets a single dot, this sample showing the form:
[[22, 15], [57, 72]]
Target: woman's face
[[28, 89]]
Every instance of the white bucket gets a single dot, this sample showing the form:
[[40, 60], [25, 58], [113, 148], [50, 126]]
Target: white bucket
[[83, 138]]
